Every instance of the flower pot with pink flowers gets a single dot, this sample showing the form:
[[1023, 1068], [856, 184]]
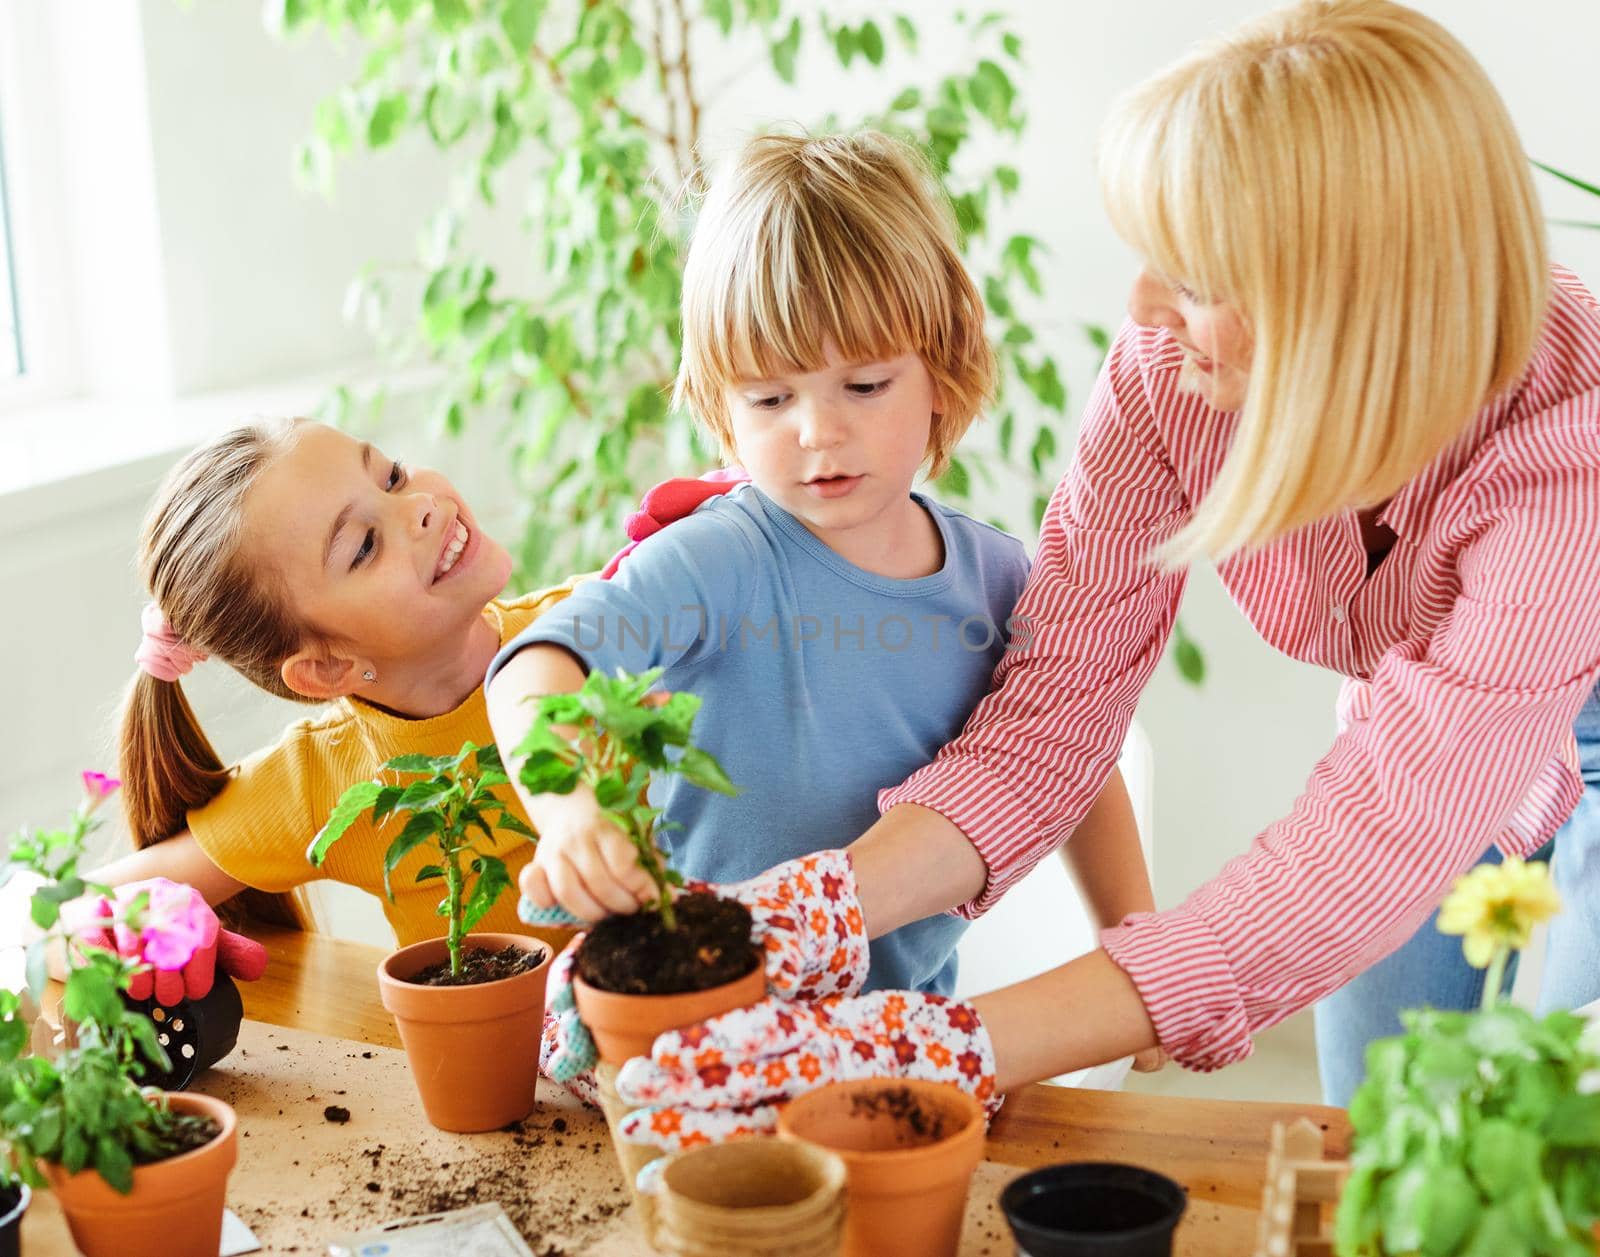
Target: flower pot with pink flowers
[[469, 1007], [139, 1172]]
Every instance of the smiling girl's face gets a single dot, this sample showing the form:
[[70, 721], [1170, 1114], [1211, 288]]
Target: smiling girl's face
[[380, 557], [1213, 335]]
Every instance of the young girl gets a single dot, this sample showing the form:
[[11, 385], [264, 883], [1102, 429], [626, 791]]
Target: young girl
[[326, 572], [1353, 379], [838, 625]]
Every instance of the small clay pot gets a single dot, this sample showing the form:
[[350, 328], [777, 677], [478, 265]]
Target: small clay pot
[[761, 1197], [13, 1204], [175, 1207], [195, 1033], [1093, 1209], [907, 1186], [473, 1050], [625, 1026]]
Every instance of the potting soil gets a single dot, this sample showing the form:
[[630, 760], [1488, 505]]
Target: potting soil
[[637, 955]]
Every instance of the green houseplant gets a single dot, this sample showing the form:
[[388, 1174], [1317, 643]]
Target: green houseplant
[[465, 998], [1479, 1133], [77, 1119], [639, 975]]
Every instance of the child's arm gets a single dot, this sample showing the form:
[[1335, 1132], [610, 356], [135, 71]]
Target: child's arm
[[1105, 859], [583, 862], [178, 859]]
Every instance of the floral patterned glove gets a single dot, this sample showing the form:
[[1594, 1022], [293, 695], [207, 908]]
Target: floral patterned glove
[[805, 918], [728, 1076], [182, 941]]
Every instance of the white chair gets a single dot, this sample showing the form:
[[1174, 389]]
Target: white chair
[[1041, 923]]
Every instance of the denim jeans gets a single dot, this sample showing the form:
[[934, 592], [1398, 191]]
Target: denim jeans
[[1430, 969]]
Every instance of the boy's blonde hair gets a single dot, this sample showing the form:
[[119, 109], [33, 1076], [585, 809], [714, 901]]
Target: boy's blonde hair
[[807, 239], [1344, 174]]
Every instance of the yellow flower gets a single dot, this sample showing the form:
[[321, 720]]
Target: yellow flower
[[1497, 905]]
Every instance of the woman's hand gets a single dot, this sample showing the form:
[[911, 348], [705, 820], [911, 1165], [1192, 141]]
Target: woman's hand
[[728, 1076]]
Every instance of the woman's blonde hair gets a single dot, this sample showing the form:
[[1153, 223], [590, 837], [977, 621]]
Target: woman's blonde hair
[[807, 239], [220, 602], [1343, 173]]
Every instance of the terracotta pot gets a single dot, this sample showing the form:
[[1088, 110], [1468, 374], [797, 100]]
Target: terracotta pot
[[473, 1050], [907, 1190], [175, 1208], [13, 1204], [624, 1026], [761, 1197]]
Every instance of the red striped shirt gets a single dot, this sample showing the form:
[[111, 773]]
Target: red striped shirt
[[1468, 653]]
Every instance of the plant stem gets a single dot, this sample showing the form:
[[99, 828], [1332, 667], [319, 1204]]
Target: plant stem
[[452, 874], [1495, 977]]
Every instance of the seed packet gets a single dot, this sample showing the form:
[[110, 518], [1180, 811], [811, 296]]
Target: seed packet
[[483, 1231]]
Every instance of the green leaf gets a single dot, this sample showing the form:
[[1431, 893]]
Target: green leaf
[[92, 995], [112, 1162], [428, 873], [1042, 450], [720, 12], [418, 763], [1575, 1123], [702, 768], [1012, 43], [909, 98], [955, 481], [520, 21], [544, 772], [1008, 179], [1008, 430], [493, 881], [907, 31], [870, 40], [511, 824], [1576, 182], [845, 45], [350, 806], [387, 118], [385, 803], [1504, 1157], [1186, 655], [420, 828]]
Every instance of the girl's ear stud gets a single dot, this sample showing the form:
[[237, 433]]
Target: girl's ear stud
[[369, 675]]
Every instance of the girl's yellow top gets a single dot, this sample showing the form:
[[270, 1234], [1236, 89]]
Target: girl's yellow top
[[257, 830]]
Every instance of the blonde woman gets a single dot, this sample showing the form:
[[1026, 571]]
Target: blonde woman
[[1352, 379]]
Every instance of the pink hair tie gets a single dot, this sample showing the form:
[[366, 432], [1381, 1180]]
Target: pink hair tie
[[163, 653]]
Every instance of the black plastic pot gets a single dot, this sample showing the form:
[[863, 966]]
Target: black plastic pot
[[196, 1033], [1093, 1209], [13, 1204]]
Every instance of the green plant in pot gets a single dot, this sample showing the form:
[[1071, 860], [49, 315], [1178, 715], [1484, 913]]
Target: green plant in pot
[[690, 956], [73, 1115], [465, 999], [1478, 1133]]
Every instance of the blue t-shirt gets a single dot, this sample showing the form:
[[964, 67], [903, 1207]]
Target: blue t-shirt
[[821, 683]]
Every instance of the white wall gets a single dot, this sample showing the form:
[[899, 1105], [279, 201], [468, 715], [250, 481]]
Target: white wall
[[251, 275]]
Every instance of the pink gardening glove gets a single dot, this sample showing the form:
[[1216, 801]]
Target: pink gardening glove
[[181, 940], [669, 501], [728, 1076]]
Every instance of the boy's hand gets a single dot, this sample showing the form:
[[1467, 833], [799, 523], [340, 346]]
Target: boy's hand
[[583, 863]]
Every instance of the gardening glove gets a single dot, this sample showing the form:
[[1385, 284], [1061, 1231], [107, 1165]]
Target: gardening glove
[[669, 501], [805, 918], [182, 942], [728, 1076]]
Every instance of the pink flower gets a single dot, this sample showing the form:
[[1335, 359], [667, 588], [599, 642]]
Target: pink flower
[[176, 924], [99, 787]]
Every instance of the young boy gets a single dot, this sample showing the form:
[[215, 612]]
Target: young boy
[[838, 626]]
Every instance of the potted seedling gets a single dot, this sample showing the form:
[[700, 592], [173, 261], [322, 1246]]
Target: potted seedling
[[469, 1007], [138, 1172], [690, 956], [1478, 1133]]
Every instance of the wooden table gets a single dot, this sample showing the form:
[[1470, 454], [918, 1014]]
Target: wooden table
[[1216, 1149]]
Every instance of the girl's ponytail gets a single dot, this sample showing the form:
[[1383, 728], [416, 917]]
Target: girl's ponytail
[[218, 603]]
